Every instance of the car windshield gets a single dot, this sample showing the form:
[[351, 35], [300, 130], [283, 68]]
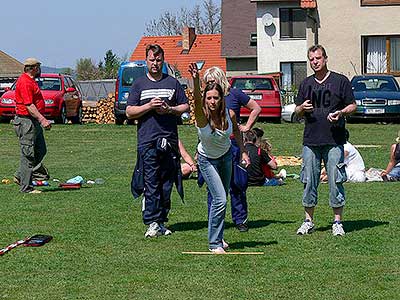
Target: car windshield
[[253, 84], [374, 84], [49, 83], [130, 74]]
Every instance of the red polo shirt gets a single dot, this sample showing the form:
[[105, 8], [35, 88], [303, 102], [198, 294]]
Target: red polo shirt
[[27, 92]]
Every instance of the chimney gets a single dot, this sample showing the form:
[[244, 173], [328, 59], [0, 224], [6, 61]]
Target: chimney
[[188, 37]]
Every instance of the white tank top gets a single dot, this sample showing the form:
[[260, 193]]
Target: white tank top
[[214, 144]]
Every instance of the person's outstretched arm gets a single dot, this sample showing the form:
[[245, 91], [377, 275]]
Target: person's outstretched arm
[[201, 120]]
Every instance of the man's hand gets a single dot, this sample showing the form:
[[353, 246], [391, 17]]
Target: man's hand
[[45, 123], [307, 106], [164, 109], [335, 116]]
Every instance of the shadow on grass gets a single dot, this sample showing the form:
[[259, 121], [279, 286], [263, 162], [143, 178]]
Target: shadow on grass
[[197, 225], [250, 244], [356, 225], [60, 189]]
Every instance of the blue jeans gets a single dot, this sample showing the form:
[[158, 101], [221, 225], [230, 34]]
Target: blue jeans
[[238, 194], [333, 157], [395, 172], [217, 175]]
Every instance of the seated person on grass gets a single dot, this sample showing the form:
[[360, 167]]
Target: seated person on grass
[[392, 171], [354, 164], [268, 172], [258, 158]]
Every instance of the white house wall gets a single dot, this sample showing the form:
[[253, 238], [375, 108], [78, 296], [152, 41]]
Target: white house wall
[[343, 23], [271, 50]]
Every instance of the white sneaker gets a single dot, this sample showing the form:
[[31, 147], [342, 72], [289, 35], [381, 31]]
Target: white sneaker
[[164, 230], [225, 245], [153, 230], [337, 229], [306, 228], [218, 250], [282, 174]]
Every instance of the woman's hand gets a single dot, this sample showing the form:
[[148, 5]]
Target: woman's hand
[[193, 70], [245, 160]]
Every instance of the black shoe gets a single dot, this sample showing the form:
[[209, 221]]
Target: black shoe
[[242, 227]]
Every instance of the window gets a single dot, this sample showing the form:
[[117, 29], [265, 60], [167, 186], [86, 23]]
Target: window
[[381, 54], [292, 23], [253, 39], [293, 74], [379, 2]]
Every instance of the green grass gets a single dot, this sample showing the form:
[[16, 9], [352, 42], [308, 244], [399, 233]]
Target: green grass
[[99, 252]]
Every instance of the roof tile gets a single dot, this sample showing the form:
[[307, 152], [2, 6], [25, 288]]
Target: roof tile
[[308, 4], [206, 47]]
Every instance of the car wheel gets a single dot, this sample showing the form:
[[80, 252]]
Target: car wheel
[[62, 118], [295, 118], [78, 118]]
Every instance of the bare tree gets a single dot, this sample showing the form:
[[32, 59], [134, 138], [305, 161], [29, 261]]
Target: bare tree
[[196, 19], [212, 18], [207, 21]]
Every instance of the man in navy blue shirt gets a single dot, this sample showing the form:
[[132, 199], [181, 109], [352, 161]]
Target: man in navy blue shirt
[[156, 100], [324, 99]]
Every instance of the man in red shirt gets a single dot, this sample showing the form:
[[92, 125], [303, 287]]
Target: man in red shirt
[[28, 123]]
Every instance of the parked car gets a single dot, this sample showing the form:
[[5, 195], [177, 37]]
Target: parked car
[[264, 90], [62, 98], [289, 115], [377, 97], [127, 74]]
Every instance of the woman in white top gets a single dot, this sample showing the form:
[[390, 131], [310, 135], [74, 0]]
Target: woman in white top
[[214, 125]]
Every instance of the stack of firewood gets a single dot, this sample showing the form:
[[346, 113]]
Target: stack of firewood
[[189, 95], [105, 110], [89, 112], [100, 112]]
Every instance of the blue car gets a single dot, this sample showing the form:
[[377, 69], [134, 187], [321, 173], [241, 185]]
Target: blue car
[[377, 97], [127, 74]]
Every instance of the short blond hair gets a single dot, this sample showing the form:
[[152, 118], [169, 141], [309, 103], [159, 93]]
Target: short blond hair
[[219, 76]]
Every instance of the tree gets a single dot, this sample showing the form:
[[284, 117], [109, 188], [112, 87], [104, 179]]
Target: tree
[[111, 65], [86, 70], [168, 23], [212, 19]]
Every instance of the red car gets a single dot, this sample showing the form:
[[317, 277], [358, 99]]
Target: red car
[[62, 97], [264, 90]]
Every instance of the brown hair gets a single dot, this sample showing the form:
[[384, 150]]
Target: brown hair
[[315, 48], [155, 48], [222, 107], [266, 145]]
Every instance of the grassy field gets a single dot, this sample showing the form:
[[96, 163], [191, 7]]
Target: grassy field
[[99, 251]]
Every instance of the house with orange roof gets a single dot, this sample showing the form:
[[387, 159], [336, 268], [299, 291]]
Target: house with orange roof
[[10, 69], [179, 51]]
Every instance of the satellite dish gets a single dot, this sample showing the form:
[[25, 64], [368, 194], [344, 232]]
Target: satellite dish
[[267, 19]]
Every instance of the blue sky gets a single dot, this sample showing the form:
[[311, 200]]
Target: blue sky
[[58, 33]]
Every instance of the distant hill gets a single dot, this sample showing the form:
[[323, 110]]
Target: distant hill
[[53, 70], [56, 70]]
